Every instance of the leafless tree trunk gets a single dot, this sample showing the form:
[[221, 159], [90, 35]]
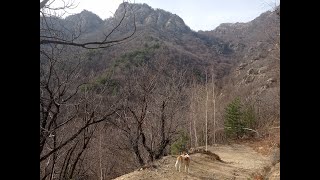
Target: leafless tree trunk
[[214, 110], [207, 97], [190, 131], [100, 153], [193, 111], [191, 117]]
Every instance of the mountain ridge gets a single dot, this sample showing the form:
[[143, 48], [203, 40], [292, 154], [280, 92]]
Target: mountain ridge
[[143, 8], [227, 44]]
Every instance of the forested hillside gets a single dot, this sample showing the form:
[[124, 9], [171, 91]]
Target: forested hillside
[[120, 93]]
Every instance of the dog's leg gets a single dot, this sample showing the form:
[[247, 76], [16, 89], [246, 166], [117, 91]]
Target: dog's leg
[[176, 165]]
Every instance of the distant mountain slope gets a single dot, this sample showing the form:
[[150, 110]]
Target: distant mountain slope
[[156, 25], [245, 56], [263, 28], [256, 77]]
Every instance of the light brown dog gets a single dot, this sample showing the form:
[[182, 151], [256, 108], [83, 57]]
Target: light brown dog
[[184, 158]]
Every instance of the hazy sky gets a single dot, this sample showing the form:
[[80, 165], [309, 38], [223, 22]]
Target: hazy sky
[[197, 14]]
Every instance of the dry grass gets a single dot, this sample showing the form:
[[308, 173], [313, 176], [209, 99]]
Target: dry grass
[[267, 143]]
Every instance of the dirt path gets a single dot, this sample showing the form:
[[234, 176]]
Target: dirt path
[[242, 163]]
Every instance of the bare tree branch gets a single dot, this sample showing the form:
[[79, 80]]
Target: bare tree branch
[[43, 3], [53, 39]]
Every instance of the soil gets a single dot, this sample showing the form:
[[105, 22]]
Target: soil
[[242, 162]]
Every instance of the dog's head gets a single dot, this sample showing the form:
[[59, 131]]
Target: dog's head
[[184, 153]]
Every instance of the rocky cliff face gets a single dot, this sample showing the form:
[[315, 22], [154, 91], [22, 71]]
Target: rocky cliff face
[[85, 20], [156, 18]]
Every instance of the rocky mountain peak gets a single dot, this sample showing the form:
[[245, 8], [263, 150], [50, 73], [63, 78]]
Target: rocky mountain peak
[[157, 18], [86, 19]]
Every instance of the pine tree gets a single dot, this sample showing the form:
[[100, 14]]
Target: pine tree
[[180, 144], [233, 119], [249, 116]]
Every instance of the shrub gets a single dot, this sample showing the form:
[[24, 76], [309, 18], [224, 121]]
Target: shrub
[[180, 144]]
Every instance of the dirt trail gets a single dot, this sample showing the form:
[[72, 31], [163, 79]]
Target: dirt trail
[[242, 163]]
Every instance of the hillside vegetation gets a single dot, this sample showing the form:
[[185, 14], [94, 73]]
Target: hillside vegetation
[[140, 87]]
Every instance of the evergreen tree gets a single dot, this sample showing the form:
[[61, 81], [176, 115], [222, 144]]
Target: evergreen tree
[[233, 119], [181, 144], [248, 116], [239, 119]]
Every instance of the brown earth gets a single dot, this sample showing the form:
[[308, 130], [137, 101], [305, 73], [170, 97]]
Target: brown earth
[[242, 162]]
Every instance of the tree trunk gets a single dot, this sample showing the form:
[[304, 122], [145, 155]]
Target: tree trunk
[[150, 150], [214, 111], [194, 121], [100, 154], [190, 132], [206, 134], [136, 151]]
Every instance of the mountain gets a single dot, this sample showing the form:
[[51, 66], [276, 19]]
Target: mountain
[[166, 69], [245, 56], [155, 18], [263, 28], [183, 46], [257, 73], [87, 20]]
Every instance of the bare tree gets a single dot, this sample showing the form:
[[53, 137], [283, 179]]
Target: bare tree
[[68, 116], [193, 100], [154, 100], [70, 109], [100, 153], [190, 129], [169, 104], [54, 32], [207, 97], [214, 109]]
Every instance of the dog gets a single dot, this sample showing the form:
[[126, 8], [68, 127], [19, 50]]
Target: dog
[[184, 158]]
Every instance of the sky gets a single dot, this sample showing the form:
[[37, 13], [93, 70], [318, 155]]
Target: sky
[[197, 14]]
